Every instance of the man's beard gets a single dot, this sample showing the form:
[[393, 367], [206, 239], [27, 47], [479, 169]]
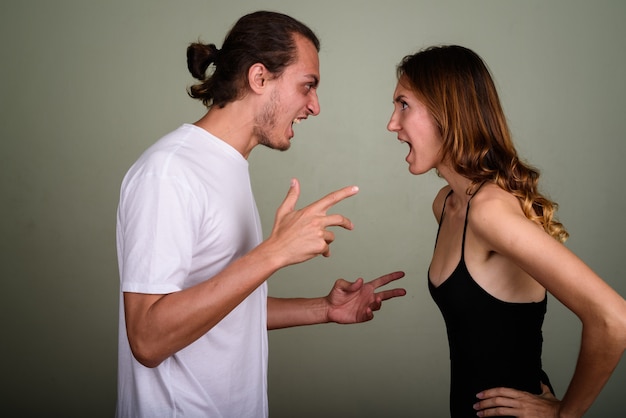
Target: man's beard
[[265, 123]]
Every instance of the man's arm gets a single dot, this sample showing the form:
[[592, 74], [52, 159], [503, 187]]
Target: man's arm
[[160, 325], [346, 303]]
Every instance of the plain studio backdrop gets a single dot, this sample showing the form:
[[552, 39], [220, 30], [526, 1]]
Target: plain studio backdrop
[[86, 86]]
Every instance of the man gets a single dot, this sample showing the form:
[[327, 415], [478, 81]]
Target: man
[[194, 310]]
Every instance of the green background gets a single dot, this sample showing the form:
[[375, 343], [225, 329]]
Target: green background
[[86, 86]]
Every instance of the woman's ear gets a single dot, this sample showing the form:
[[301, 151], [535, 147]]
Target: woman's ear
[[258, 77]]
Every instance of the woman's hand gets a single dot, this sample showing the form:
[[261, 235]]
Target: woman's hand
[[499, 402]]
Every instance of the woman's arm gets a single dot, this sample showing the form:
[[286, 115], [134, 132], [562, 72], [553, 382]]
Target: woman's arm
[[499, 223]]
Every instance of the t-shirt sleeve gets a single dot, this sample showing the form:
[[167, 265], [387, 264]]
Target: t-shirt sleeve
[[155, 233]]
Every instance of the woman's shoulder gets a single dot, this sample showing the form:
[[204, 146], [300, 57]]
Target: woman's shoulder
[[491, 197], [440, 198], [495, 209]]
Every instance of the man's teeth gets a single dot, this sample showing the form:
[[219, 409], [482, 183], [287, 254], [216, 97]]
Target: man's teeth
[[297, 120]]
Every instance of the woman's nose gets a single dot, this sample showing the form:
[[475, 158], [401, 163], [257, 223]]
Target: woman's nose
[[392, 125]]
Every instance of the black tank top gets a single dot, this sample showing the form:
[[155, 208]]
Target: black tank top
[[492, 343]]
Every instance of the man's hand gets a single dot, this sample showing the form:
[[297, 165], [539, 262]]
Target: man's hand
[[511, 402], [356, 302], [299, 235]]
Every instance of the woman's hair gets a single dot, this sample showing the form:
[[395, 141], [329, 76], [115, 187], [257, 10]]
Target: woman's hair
[[260, 37], [455, 85]]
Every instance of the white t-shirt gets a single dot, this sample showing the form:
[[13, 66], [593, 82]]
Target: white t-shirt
[[186, 211]]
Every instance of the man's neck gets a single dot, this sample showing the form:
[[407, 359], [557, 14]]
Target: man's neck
[[233, 124]]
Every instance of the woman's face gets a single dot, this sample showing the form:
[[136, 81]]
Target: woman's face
[[415, 126]]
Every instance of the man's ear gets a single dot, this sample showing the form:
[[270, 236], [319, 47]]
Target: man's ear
[[258, 77]]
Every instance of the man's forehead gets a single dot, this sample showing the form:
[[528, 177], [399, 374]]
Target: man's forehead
[[307, 60]]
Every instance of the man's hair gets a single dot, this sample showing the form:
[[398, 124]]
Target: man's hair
[[261, 37]]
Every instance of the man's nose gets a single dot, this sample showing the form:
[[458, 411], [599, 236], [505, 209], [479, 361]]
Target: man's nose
[[314, 105]]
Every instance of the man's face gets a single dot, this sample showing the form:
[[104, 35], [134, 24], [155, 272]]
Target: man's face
[[292, 99]]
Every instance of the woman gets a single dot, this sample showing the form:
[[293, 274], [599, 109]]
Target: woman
[[498, 249]]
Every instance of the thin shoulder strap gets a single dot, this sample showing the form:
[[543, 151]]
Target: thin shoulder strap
[[443, 211], [466, 217]]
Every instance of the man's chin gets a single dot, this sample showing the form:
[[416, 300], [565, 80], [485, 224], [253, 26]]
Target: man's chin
[[281, 143], [283, 146]]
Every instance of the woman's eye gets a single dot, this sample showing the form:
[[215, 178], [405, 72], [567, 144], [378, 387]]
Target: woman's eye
[[403, 105]]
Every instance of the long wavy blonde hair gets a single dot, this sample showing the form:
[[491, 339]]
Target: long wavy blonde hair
[[456, 86]]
